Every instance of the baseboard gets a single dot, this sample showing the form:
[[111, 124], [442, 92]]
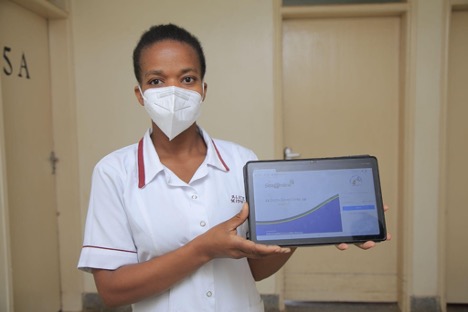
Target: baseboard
[[271, 303], [93, 303], [425, 304]]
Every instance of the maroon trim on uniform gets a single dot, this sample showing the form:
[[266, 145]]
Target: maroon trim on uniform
[[105, 248], [141, 165], [219, 155]]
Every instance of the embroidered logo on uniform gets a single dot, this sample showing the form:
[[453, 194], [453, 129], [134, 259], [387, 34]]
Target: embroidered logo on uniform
[[237, 199]]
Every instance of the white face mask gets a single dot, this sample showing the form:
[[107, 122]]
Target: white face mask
[[172, 109]]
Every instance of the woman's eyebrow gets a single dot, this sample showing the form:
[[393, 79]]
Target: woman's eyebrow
[[154, 72], [160, 72], [188, 70]]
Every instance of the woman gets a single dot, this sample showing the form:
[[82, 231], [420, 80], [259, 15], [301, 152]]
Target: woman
[[166, 222], [156, 233]]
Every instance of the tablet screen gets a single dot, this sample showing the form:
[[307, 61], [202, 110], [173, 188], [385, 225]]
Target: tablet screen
[[315, 201]]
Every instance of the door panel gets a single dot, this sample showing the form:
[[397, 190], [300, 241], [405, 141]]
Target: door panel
[[341, 97], [457, 155], [28, 135]]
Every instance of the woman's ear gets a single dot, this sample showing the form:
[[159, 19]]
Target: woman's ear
[[205, 87], [138, 95]]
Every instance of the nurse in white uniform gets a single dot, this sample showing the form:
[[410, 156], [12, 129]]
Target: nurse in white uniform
[[166, 223]]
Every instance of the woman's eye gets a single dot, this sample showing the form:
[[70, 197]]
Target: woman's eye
[[188, 79], [155, 82]]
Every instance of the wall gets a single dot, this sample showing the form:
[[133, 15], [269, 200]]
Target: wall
[[238, 40], [237, 37]]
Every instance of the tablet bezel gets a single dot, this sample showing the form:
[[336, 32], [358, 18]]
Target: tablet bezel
[[348, 162]]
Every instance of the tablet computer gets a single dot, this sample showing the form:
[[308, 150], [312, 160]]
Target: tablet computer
[[315, 201]]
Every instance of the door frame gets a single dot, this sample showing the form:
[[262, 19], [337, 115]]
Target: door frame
[[450, 6], [412, 12], [6, 286]]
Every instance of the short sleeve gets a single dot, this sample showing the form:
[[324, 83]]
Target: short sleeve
[[108, 241]]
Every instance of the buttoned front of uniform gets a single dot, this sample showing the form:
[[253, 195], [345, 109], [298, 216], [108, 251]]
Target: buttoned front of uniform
[[153, 212]]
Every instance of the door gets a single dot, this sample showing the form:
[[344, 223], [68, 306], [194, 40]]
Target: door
[[341, 97], [28, 144], [457, 155]]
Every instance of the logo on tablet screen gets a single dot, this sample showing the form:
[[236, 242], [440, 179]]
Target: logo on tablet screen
[[278, 185], [355, 180]]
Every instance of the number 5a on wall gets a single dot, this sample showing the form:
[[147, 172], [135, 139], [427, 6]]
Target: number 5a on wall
[[8, 69]]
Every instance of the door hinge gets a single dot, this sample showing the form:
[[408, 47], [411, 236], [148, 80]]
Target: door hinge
[[53, 161]]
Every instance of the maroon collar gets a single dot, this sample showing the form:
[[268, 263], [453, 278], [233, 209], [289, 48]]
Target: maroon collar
[[141, 162]]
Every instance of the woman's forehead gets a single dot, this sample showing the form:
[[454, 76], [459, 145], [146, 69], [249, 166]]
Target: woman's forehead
[[169, 53]]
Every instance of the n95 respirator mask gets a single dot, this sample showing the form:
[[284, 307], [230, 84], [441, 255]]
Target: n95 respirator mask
[[172, 109]]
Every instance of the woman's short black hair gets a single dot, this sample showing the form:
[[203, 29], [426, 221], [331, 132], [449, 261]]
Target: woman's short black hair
[[166, 32]]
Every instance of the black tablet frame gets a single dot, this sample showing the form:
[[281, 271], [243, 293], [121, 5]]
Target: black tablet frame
[[347, 162]]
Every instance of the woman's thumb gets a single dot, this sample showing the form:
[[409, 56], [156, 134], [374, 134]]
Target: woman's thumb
[[240, 218]]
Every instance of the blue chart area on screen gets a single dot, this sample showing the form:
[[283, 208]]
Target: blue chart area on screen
[[321, 219], [308, 204]]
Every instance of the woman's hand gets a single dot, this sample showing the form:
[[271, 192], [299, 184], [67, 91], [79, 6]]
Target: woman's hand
[[366, 245], [222, 241]]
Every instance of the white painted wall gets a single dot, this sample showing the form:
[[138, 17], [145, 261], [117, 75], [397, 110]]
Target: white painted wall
[[238, 40]]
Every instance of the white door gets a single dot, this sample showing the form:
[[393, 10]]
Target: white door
[[28, 136], [341, 97], [457, 156]]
